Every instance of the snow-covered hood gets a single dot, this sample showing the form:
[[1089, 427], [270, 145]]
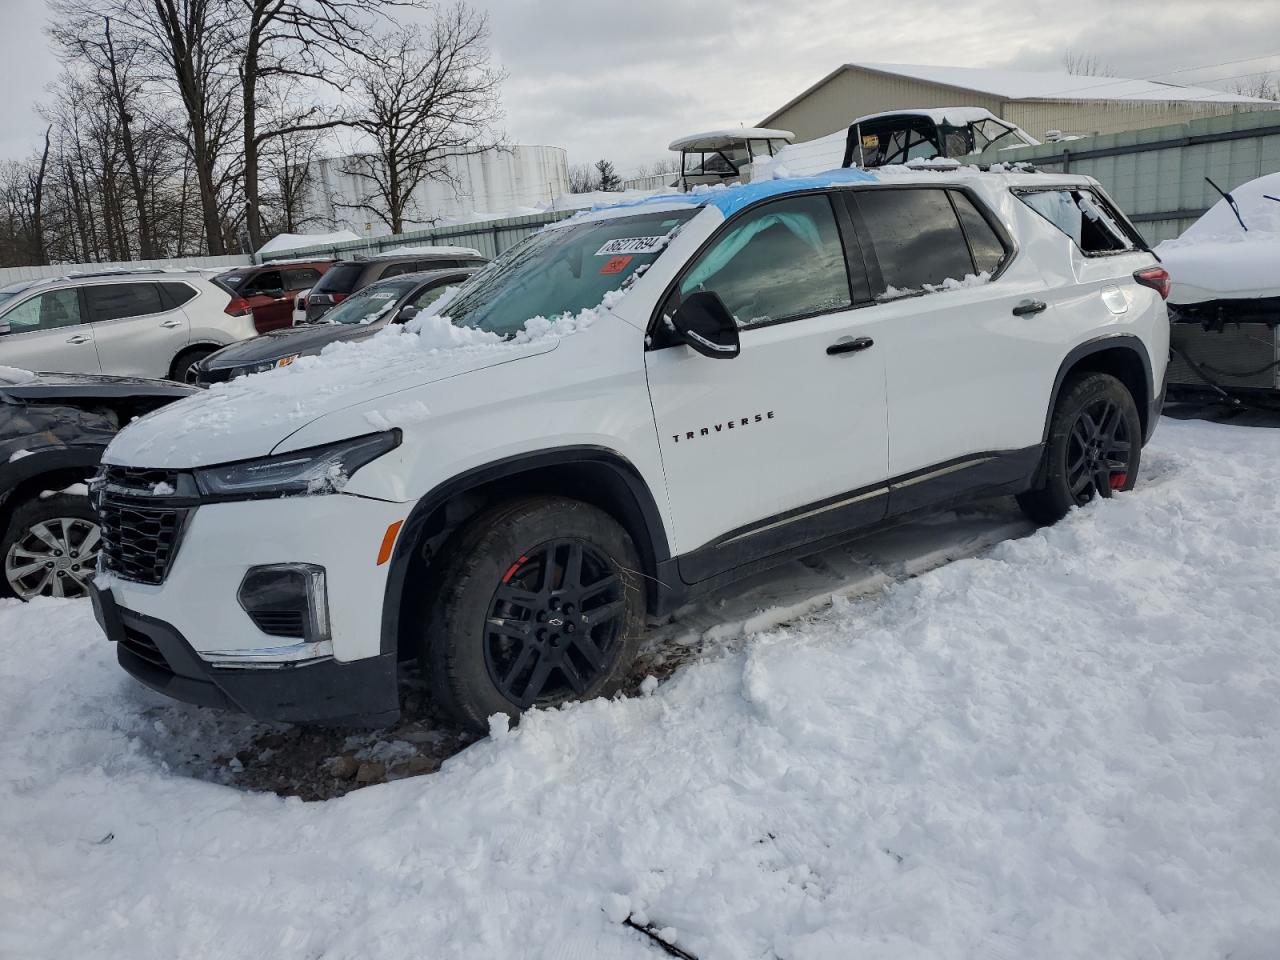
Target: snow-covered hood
[[255, 415], [1214, 259], [1241, 267]]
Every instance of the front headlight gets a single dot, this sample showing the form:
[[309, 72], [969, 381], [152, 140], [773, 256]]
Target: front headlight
[[266, 365], [317, 470]]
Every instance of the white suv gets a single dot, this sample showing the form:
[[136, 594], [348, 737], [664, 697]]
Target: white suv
[[711, 383], [122, 322]]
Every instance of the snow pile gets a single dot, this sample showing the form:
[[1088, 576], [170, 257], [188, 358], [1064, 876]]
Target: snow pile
[[299, 241], [1064, 749], [1215, 259], [950, 283], [14, 375]]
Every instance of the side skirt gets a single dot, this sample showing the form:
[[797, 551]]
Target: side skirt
[[846, 517]]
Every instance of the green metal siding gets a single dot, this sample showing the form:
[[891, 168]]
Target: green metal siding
[[490, 237], [1157, 175]]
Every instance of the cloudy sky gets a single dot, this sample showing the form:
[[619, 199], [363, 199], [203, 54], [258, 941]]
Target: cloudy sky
[[622, 79]]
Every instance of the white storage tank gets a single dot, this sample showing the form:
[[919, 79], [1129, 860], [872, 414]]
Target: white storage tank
[[503, 180]]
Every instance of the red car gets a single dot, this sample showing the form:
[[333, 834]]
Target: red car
[[269, 290]]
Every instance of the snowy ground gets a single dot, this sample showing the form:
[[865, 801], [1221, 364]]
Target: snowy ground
[[1066, 747]]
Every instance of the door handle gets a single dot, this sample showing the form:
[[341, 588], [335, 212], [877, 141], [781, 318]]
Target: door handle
[[850, 345], [170, 324], [78, 338], [1028, 307]]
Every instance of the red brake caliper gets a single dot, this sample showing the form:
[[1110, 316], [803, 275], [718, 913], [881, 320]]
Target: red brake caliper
[[1118, 480], [511, 570]]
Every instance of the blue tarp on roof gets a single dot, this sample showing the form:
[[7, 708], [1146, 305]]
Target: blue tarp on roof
[[731, 198]]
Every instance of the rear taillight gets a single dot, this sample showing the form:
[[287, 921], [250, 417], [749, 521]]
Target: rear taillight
[[1157, 278], [238, 307]]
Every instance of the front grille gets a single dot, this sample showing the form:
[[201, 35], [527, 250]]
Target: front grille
[[140, 530], [1237, 355], [279, 623]]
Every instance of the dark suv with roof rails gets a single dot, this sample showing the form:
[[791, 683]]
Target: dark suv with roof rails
[[348, 276]]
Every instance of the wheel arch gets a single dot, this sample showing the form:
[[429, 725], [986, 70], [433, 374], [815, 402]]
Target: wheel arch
[[1123, 356], [594, 475], [53, 469]]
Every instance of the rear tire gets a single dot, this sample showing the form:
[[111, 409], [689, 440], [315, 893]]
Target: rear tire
[[50, 548], [1094, 448], [540, 602], [183, 362]]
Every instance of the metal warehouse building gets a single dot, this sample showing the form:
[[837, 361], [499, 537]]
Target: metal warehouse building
[[1036, 101]]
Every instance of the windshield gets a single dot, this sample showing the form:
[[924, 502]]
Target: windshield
[[563, 270], [11, 290], [370, 304]]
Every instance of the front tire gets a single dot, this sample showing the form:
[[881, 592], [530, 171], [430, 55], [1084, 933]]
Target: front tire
[[181, 370], [540, 602], [50, 548], [1094, 448]]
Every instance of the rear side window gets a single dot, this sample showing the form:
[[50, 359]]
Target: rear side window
[[175, 294], [984, 243], [300, 278], [266, 282], [915, 237], [782, 261], [118, 301], [340, 278], [1084, 217], [399, 269]]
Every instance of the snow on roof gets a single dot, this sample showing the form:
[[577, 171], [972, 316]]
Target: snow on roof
[[296, 241], [1055, 84], [728, 198], [951, 116], [719, 139], [429, 250]]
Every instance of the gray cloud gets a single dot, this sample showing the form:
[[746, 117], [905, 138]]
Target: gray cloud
[[621, 80]]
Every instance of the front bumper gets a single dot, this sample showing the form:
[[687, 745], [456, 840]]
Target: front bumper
[[362, 692]]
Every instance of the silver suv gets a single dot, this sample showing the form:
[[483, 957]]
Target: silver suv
[[142, 324]]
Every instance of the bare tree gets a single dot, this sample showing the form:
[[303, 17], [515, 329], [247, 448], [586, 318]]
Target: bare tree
[[1264, 86], [430, 97], [188, 48], [582, 178], [289, 41], [1086, 65], [658, 168]]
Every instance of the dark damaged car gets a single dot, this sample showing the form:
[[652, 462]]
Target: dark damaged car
[[53, 429]]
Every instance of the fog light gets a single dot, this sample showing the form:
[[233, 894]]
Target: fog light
[[287, 600]]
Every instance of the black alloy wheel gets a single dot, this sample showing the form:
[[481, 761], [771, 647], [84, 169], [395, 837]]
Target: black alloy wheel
[[532, 603], [1093, 448], [555, 623], [1099, 450]]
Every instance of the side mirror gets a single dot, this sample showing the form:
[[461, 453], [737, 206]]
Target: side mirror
[[407, 313], [707, 326]]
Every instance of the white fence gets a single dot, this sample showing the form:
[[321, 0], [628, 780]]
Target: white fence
[[13, 274]]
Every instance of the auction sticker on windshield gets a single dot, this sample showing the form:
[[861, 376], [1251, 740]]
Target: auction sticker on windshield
[[632, 245]]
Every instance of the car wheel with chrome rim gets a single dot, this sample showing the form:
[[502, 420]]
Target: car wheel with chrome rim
[[50, 548]]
